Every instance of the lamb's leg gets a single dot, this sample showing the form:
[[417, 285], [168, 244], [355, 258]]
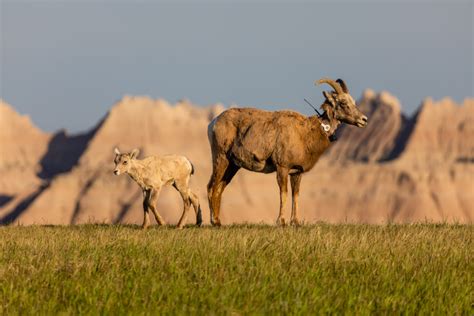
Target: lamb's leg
[[219, 184], [146, 216], [182, 187], [282, 178], [295, 180], [197, 207], [152, 205]]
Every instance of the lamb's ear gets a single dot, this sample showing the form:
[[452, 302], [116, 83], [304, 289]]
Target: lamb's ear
[[329, 98], [134, 153], [117, 151]]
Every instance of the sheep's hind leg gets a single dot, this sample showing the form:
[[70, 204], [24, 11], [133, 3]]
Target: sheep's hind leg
[[218, 183], [219, 167], [295, 180], [197, 207], [282, 178], [152, 205], [183, 189]]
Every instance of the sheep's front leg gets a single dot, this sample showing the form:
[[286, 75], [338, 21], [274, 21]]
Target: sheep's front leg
[[155, 193], [146, 216], [295, 180], [282, 178]]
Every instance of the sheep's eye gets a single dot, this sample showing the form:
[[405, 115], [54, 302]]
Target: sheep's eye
[[125, 162]]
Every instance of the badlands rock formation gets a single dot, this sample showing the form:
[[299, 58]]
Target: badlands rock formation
[[22, 146], [398, 169], [377, 141]]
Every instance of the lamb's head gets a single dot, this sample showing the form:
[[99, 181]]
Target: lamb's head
[[123, 161], [340, 104]]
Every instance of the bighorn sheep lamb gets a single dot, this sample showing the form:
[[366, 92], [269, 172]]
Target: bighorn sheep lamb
[[152, 173], [282, 141]]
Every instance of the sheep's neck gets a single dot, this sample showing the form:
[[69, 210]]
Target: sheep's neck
[[328, 119], [136, 173]]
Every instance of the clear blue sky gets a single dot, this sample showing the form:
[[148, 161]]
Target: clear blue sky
[[66, 62]]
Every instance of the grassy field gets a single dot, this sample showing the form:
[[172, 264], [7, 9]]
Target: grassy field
[[102, 269]]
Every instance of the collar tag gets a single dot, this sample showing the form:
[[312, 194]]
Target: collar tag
[[326, 127]]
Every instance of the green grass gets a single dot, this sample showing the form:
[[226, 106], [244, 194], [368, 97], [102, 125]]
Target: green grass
[[98, 269]]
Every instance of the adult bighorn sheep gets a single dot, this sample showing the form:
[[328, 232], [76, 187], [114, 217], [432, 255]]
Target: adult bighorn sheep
[[282, 141], [152, 173]]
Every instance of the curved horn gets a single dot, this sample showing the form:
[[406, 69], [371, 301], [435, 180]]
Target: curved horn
[[330, 82], [343, 85]]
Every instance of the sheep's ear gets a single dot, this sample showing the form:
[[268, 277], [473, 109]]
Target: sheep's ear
[[134, 153], [117, 151], [329, 98]]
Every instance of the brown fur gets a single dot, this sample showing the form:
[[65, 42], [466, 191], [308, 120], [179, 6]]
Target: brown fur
[[152, 173], [283, 141]]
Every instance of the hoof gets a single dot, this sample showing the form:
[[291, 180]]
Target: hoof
[[216, 223], [295, 222], [281, 221]]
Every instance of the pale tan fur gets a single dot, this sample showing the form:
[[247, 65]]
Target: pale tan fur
[[283, 141], [152, 173]]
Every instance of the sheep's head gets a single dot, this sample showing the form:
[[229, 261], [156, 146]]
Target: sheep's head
[[341, 104], [123, 161]]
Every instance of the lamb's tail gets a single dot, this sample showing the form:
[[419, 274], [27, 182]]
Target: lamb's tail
[[192, 166]]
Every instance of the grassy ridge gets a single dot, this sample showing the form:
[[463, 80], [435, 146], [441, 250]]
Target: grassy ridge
[[237, 270]]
